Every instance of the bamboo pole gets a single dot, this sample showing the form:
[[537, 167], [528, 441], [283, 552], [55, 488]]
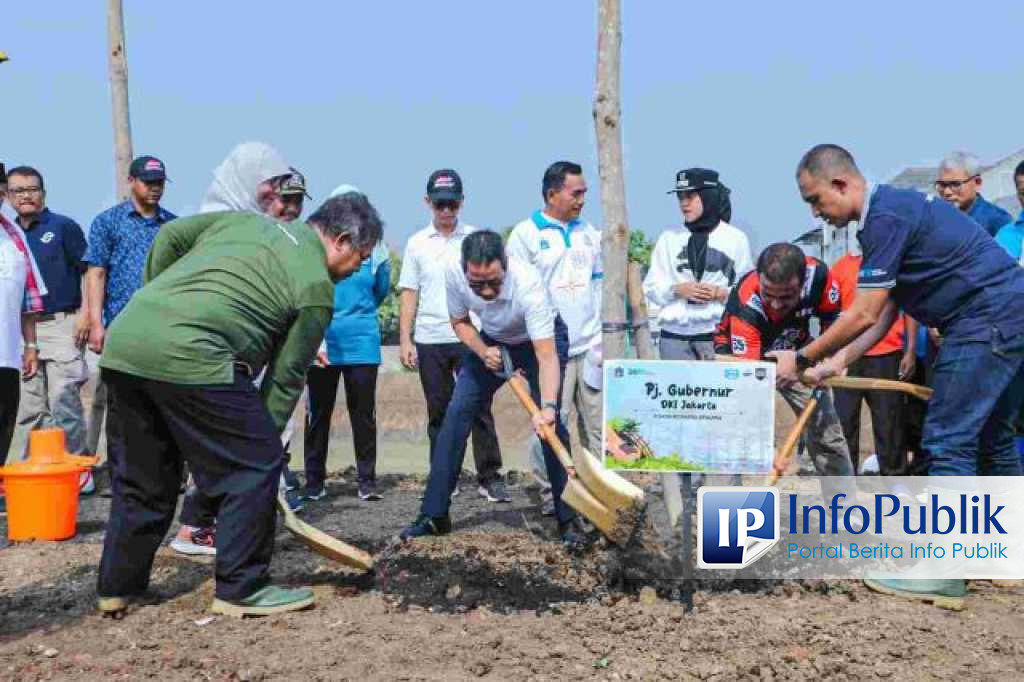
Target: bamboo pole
[[118, 72]]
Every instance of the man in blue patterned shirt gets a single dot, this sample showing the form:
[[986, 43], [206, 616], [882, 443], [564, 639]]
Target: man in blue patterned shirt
[[119, 242]]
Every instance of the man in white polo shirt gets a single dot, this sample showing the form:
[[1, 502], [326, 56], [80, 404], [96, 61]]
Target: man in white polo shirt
[[512, 303], [566, 250], [433, 348]]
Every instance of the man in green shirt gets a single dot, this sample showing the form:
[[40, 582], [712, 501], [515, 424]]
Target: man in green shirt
[[226, 295]]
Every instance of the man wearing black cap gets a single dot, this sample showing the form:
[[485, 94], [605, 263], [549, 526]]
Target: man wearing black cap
[[52, 398], [695, 266], [290, 195], [433, 348], [119, 241]]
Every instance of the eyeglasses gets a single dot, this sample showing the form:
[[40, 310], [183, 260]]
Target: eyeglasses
[[955, 185], [446, 204], [481, 284], [24, 191]]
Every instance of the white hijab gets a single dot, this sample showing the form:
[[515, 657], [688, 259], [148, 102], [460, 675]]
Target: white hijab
[[235, 180]]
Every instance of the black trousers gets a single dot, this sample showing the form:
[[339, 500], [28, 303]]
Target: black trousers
[[886, 413], [10, 397], [361, 399], [914, 412], [234, 452], [439, 364]]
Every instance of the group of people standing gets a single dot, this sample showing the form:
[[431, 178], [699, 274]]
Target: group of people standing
[[252, 306]]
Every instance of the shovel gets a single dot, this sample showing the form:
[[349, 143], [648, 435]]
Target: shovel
[[322, 543], [608, 501]]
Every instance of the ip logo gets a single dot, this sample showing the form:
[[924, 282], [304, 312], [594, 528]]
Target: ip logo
[[735, 525]]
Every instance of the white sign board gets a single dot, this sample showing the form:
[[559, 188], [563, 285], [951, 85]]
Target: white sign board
[[662, 415]]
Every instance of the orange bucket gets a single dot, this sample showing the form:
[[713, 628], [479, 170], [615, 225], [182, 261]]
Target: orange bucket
[[42, 491]]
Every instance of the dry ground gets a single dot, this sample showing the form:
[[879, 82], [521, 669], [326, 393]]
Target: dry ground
[[497, 599]]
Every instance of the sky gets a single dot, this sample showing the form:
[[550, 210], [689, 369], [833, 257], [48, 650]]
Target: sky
[[379, 94]]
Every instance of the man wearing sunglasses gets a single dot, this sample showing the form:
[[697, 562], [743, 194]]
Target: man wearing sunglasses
[[428, 342], [512, 303], [959, 183]]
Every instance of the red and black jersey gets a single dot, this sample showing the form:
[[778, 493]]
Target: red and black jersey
[[748, 331]]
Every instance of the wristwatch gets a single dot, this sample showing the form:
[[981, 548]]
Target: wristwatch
[[802, 361], [31, 345], [549, 403]]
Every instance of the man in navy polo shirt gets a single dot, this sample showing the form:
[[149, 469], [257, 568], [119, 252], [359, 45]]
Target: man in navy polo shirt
[[119, 242], [930, 259], [52, 397], [959, 183]]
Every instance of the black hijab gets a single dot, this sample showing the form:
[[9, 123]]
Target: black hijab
[[717, 208]]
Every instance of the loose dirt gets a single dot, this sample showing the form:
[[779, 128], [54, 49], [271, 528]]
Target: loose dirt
[[497, 599]]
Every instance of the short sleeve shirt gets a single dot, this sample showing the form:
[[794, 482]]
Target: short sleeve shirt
[[520, 313], [943, 269], [748, 330], [845, 271], [58, 245], [426, 259], [119, 241]]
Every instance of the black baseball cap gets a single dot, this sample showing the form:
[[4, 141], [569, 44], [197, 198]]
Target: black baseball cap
[[693, 179], [444, 185], [147, 169]]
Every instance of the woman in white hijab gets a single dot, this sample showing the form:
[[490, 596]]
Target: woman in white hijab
[[247, 180]]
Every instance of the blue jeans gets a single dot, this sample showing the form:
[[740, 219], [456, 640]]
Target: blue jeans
[[979, 389], [474, 388]]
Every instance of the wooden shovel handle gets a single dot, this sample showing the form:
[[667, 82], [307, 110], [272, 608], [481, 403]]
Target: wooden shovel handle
[[789, 446], [517, 383], [861, 383]]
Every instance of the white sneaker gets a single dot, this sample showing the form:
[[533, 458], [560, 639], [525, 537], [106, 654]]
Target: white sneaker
[[195, 541]]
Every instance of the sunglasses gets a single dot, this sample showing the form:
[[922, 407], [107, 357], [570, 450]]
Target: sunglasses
[[481, 284], [446, 205]]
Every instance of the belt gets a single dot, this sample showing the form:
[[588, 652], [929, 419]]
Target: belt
[[52, 317]]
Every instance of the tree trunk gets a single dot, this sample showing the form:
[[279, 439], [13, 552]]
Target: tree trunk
[[638, 311], [615, 232], [118, 70]]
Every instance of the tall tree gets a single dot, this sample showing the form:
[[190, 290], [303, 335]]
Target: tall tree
[[118, 70], [615, 234]]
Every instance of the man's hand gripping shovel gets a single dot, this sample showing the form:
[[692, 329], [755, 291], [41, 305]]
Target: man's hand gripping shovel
[[608, 501]]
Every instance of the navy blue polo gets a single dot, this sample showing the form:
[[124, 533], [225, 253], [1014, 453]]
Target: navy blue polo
[[941, 266], [988, 215], [58, 245]]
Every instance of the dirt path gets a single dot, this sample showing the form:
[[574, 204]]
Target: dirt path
[[497, 599]]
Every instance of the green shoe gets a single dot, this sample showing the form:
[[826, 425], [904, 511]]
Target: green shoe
[[946, 594], [266, 602], [112, 606]]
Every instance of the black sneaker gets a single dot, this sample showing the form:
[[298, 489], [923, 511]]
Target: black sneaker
[[425, 525], [368, 491], [494, 491], [572, 534]]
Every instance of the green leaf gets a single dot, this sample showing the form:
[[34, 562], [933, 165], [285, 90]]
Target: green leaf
[[602, 662]]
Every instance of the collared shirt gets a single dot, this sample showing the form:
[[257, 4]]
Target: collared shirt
[[568, 257], [944, 270], [119, 241], [520, 313], [21, 291], [749, 329], [988, 215], [424, 264], [58, 244]]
